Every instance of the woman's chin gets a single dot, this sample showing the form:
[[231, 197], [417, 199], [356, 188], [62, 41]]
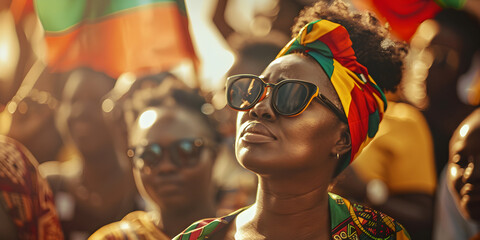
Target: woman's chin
[[255, 162]]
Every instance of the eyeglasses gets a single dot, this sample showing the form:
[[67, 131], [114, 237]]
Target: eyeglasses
[[183, 153], [289, 97]]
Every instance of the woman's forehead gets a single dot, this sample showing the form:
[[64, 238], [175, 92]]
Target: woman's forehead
[[169, 122], [301, 67], [295, 66]]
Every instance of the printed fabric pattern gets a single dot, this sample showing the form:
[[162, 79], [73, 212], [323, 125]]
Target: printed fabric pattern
[[348, 221]]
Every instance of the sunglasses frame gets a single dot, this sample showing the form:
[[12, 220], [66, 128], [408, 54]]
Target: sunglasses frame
[[133, 155], [313, 92]]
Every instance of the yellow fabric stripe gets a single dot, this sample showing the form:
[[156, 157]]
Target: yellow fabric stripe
[[286, 48], [341, 80], [362, 146], [318, 31]]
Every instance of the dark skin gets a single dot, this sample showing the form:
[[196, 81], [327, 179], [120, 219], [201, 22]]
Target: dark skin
[[450, 61], [33, 122], [294, 170], [463, 169], [183, 195], [103, 191], [35, 126]]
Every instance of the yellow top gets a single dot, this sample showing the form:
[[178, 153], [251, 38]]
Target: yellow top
[[136, 225], [401, 154]]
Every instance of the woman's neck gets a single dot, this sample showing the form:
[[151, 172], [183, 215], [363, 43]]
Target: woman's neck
[[174, 221], [101, 165], [304, 210]]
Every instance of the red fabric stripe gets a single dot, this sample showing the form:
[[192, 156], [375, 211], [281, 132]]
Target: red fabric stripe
[[195, 234], [338, 40], [357, 118]]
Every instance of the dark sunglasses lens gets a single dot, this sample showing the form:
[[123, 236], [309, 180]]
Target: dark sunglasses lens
[[188, 152], [243, 93], [291, 98], [152, 154]]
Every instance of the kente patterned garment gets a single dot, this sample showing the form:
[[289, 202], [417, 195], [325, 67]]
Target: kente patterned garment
[[25, 195], [348, 221], [136, 225], [362, 100]]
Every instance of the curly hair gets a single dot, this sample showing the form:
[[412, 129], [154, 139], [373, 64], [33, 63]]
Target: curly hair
[[190, 99], [373, 46]]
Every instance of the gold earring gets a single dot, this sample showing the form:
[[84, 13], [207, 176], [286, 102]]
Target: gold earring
[[338, 156]]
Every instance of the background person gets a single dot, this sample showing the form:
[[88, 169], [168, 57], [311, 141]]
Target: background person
[[174, 147], [27, 209], [91, 188], [458, 200]]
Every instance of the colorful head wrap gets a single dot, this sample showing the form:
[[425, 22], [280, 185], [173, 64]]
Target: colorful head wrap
[[364, 103]]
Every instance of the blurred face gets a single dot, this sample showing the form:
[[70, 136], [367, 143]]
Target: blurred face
[[31, 117], [83, 111], [443, 74], [267, 142], [173, 157], [436, 61], [464, 167]]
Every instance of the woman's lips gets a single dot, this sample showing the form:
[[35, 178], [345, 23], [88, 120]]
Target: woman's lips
[[257, 133]]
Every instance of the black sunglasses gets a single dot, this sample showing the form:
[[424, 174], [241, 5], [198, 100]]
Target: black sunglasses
[[183, 153], [289, 97]]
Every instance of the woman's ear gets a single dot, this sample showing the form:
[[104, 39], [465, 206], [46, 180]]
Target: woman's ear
[[344, 143]]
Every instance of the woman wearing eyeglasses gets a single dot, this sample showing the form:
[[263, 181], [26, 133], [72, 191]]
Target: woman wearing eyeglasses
[[174, 146], [302, 122]]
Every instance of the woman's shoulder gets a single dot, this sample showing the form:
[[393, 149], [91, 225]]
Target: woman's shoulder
[[135, 225], [352, 221], [205, 228]]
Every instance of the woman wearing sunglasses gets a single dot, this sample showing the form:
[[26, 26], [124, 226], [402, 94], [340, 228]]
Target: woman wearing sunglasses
[[174, 146], [302, 122]]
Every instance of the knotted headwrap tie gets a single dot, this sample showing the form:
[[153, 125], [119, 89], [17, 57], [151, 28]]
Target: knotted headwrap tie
[[362, 100]]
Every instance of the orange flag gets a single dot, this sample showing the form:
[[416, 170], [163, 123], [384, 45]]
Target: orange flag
[[115, 36]]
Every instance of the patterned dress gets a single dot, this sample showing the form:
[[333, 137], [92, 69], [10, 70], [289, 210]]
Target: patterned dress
[[25, 195], [348, 221]]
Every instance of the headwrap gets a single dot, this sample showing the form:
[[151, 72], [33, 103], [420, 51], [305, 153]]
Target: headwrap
[[362, 100]]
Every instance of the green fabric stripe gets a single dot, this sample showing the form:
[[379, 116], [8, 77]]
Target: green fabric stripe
[[191, 227], [208, 229], [59, 15], [338, 213], [380, 94], [321, 48], [457, 4], [310, 26], [325, 62], [373, 122], [186, 236]]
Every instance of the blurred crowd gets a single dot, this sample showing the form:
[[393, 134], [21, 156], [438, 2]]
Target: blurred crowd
[[113, 116]]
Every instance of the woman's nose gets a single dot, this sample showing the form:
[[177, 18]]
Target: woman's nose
[[264, 109], [166, 164]]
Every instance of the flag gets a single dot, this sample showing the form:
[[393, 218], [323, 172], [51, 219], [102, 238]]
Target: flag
[[404, 16], [115, 36]]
